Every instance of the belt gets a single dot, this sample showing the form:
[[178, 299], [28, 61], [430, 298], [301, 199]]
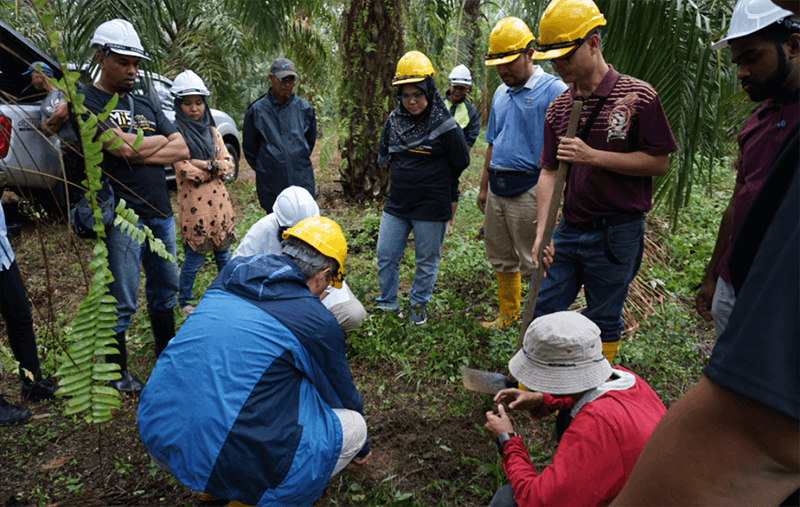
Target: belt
[[599, 224]]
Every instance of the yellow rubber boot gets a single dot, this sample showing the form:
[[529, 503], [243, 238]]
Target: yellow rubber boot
[[610, 350], [509, 287]]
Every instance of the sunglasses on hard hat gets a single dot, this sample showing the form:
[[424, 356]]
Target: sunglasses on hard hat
[[563, 60]]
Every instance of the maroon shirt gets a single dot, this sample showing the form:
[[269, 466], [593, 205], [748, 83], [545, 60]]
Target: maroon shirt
[[632, 119], [759, 141]]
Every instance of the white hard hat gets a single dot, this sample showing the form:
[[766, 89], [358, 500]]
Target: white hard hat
[[461, 76], [189, 83], [750, 16], [118, 36], [294, 204]]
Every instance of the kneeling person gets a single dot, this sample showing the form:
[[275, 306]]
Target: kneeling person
[[292, 205], [253, 400], [605, 416]]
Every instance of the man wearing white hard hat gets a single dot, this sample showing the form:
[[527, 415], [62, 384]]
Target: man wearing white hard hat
[[765, 42], [138, 177], [605, 416], [460, 83], [264, 237], [733, 439]]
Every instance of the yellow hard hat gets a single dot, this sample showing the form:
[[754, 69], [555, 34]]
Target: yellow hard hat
[[564, 26], [509, 38], [326, 237], [413, 68]]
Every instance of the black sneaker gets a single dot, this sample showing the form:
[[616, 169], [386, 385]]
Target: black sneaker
[[128, 384], [418, 314], [37, 390], [12, 414]]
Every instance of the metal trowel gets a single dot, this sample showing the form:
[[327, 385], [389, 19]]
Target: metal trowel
[[486, 382]]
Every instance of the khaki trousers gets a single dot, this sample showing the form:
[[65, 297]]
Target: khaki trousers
[[509, 232]]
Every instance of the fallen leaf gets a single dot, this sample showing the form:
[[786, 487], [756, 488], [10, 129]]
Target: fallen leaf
[[57, 462]]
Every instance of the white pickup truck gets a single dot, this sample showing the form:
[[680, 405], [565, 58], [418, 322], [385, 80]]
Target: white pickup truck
[[29, 160]]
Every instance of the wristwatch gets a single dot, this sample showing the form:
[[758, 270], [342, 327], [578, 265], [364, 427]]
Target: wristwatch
[[501, 441]]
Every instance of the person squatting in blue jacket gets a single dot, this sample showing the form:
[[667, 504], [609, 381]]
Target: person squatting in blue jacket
[[253, 400]]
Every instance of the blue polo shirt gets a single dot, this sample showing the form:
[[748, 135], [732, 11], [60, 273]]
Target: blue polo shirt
[[515, 129]]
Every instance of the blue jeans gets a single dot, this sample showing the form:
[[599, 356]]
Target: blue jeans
[[192, 263], [161, 276], [392, 240], [504, 497], [581, 260]]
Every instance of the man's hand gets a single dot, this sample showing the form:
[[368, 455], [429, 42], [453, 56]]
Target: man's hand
[[357, 463], [517, 399], [498, 424], [549, 252], [705, 297], [482, 200], [575, 151]]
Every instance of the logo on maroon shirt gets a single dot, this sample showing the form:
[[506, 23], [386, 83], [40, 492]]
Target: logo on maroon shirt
[[619, 119]]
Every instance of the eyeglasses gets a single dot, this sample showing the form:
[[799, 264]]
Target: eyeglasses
[[414, 96], [287, 79], [564, 60]]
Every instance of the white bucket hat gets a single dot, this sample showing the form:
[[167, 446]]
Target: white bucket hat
[[561, 354]]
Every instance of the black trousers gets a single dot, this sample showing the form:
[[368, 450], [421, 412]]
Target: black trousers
[[19, 320]]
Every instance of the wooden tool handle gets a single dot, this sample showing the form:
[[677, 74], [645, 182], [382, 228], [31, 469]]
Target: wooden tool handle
[[550, 224]]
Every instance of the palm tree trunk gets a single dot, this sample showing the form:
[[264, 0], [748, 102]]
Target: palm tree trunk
[[373, 43]]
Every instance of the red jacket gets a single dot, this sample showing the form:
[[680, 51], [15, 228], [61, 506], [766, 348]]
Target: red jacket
[[596, 454]]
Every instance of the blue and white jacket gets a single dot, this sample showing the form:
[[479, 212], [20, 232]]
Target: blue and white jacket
[[239, 404]]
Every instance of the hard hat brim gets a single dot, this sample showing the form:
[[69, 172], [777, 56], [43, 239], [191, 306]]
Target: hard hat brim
[[553, 54], [406, 80], [460, 82], [502, 60], [125, 52], [194, 91], [720, 44]]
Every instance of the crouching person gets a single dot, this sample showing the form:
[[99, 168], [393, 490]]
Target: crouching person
[[253, 400], [292, 205], [605, 416]]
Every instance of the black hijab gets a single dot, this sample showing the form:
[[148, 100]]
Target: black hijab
[[199, 135], [404, 130]]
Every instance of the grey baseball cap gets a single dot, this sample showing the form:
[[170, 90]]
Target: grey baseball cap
[[282, 67]]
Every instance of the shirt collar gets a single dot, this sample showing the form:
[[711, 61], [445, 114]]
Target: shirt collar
[[622, 382], [276, 101], [531, 82], [604, 88]]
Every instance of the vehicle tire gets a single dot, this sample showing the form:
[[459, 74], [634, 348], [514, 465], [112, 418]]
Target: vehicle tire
[[230, 178]]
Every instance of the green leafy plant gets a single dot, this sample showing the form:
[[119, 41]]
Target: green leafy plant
[[83, 371]]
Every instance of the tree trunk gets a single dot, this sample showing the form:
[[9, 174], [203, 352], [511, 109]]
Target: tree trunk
[[472, 29], [372, 45]]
